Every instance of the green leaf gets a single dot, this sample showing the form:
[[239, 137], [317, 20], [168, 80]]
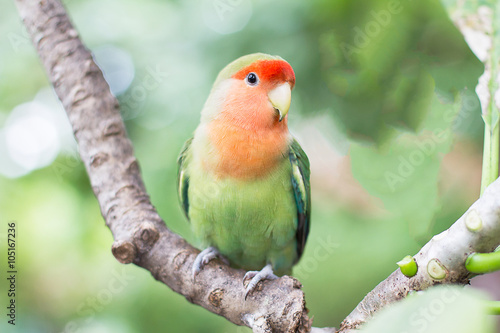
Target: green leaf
[[436, 310]]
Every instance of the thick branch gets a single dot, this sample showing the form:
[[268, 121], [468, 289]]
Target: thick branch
[[140, 234], [442, 259]]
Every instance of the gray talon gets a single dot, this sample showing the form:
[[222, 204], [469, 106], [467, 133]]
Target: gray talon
[[265, 273], [204, 258]]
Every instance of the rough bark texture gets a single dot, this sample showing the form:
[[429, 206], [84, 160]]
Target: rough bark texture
[[441, 260], [141, 236]]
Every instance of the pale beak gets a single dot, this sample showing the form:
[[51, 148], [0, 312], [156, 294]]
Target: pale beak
[[280, 97]]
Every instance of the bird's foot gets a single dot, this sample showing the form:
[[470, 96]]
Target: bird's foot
[[265, 273], [204, 258]]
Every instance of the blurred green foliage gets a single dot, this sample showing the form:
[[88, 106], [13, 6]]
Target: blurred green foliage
[[383, 61], [440, 309], [408, 162], [389, 82]]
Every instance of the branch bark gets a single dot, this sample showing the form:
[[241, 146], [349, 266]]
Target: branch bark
[[141, 236], [441, 260]]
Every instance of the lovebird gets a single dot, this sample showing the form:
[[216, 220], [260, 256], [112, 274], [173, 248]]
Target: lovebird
[[243, 180]]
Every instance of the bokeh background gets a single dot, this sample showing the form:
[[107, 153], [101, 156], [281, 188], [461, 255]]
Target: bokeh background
[[384, 106]]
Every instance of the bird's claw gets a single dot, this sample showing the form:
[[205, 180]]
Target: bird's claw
[[265, 273], [204, 258]]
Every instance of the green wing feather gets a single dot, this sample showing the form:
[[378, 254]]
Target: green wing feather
[[302, 193], [183, 178]]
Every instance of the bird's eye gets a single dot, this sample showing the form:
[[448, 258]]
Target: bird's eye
[[252, 79]]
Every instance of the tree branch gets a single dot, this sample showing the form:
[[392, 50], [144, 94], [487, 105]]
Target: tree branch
[[140, 234], [441, 260]]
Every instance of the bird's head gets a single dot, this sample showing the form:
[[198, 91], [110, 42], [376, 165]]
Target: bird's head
[[254, 90]]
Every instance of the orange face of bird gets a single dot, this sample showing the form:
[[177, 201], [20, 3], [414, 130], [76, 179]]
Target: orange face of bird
[[250, 133], [261, 94]]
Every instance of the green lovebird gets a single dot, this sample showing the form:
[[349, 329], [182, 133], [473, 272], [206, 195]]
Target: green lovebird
[[243, 180]]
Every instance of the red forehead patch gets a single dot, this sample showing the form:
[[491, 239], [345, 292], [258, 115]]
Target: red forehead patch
[[269, 71]]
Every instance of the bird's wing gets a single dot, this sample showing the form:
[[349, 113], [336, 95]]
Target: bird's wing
[[302, 193], [183, 178]]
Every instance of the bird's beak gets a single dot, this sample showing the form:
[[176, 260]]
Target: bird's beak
[[280, 97]]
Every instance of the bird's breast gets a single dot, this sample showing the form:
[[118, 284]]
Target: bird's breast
[[246, 153]]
